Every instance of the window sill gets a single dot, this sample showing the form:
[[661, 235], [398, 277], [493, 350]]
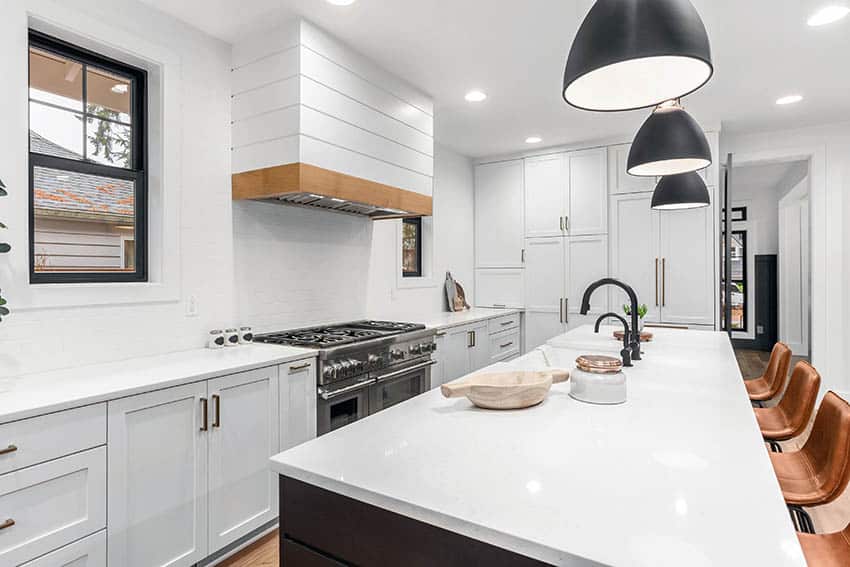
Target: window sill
[[51, 296]]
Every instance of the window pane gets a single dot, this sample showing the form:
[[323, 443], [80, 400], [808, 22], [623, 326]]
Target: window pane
[[55, 79], [738, 255], [108, 142], [410, 247], [83, 222], [56, 132], [738, 306], [108, 95]]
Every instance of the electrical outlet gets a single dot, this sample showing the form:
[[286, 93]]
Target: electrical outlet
[[759, 329], [192, 306]]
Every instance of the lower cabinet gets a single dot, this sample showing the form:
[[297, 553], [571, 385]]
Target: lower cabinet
[[87, 552], [188, 466], [461, 350], [243, 434]]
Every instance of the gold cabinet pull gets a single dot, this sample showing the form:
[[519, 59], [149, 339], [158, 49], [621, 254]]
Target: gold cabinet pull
[[9, 449], [656, 282], [562, 223], [663, 282], [300, 367], [204, 417], [7, 524], [217, 408]]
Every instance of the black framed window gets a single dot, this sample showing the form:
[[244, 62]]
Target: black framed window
[[411, 248], [87, 166]]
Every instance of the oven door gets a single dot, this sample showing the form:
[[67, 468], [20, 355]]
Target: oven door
[[399, 384], [341, 406]]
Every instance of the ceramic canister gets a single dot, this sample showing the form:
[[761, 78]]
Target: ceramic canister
[[231, 337], [216, 339], [246, 335], [598, 380]]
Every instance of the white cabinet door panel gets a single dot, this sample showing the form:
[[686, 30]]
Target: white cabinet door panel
[[87, 552], [244, 433], [52, 504], [687, 266], [635, 251], [588, 205], [544, 269], [546, 190], [499, 288], [454, 353], [587, 261], [540, 327], [297, 402], [158, 478], [499, 215], [479, 351]]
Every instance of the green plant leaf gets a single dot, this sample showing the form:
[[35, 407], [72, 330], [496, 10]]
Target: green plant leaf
[[2, 301], [4, 247], [3, 225], [2, 185], [4, 311], [3, 192]]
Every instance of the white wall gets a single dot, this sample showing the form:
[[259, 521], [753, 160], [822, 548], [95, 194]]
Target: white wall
[[452, 247], [829, 148], [38, 339]]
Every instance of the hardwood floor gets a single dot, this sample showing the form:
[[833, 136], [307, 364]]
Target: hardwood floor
[[262, 553], [754, 362]]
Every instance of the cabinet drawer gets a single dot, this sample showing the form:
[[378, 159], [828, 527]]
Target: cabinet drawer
[[504, 345], [36, 440], [87, 552], [51, 505], [504, 323]]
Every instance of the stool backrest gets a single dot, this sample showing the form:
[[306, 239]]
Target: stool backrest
[[800, 396], [777, 367], [828, 446]]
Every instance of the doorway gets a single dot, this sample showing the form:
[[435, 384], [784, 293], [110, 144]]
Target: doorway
[[767, 258]]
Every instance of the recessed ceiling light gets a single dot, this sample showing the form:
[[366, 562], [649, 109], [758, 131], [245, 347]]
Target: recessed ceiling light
[[790, 99], [828, 15], [341, 2], [533, 140], [475, 96]]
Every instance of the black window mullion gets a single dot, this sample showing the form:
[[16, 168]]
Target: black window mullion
[[84, 71]]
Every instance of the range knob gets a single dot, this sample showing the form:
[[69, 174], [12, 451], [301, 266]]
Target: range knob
[[396, 354], [415, 349], [329, 371], [357, 364], [375, 361]]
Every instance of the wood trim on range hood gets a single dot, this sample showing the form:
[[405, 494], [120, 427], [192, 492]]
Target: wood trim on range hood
[[283, 182]]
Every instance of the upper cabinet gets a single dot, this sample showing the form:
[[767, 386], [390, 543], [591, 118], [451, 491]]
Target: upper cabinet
[[566, 194], [499, 226]]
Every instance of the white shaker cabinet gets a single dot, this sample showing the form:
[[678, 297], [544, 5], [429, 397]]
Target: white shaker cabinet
[[461, 350], [297, 403], [667, 257], [559, 270], [499, 227], [619, 180], [499, 288], [588, 201], [243, 432], [566, 194], [157, 479]]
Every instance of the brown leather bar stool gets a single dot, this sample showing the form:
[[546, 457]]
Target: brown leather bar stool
[[789, 417], [818, 473], [827, 550], [768, 385]]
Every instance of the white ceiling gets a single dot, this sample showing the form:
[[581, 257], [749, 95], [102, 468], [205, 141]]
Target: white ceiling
[[516, 50], [757, 178]]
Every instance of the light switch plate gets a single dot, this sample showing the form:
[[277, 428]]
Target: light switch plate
[[192, 306]]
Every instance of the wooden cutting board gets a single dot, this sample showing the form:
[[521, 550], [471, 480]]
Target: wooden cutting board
[[505, 390]]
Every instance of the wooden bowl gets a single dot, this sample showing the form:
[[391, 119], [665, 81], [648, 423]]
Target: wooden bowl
[[505, 390]]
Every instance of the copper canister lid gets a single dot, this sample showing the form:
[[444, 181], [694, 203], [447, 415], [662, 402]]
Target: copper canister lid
[[599, 364]]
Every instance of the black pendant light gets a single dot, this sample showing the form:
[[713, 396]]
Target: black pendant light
[[631, 54], [683, 191], [669, 142]]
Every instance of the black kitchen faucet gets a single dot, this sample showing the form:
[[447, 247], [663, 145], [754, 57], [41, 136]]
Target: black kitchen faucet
[[634, 333]]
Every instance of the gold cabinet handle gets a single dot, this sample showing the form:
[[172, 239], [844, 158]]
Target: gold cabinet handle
[[7, 524], [567, 310], [299, 368], [9, 449], [217, 408], [506, 345], [663, 282], [473, 338], [204, 416], [656, 282], [566, 223], [561, 219]]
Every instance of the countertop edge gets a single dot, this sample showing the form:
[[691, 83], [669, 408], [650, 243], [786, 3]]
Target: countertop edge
[[475, 319], [463, 527], [152, 386]]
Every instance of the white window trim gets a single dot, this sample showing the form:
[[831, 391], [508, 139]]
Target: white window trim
[[427, 278], [164, 157]]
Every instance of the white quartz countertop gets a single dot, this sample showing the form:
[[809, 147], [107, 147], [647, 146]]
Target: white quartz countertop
[[678, 475], [445, 320], [28, 395]]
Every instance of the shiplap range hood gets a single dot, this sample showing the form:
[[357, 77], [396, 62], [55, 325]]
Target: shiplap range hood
[[316, 124]]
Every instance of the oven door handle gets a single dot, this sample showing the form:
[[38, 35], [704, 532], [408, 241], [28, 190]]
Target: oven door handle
[[353, 388], [403, 371]]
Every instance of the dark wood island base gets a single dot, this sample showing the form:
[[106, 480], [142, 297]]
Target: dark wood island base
[[320, 528]]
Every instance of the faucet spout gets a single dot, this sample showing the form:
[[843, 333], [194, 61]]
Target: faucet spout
[[626, 353], [633, 301]]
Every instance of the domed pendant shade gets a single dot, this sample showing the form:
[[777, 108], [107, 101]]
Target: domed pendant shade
[[683, 191], [631, 54], [668, 143]]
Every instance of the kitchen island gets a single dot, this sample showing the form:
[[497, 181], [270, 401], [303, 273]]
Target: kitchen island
[[678, 475]]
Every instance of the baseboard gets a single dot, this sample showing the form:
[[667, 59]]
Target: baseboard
[[750, 344], [239, 545]]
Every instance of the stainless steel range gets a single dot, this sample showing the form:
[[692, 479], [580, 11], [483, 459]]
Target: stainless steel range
[[363, 366]]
